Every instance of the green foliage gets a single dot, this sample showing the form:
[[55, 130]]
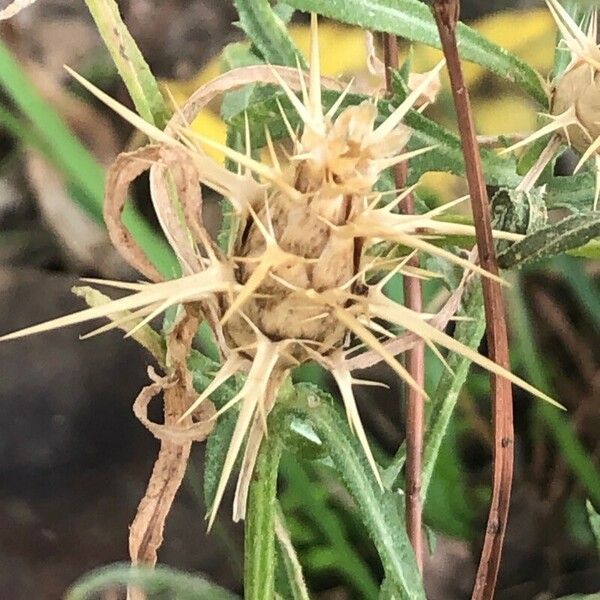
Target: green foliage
[[380, 510], [570, 233], [259, 538], [555, 422], [268, 33], [70, 157], [594, 523], [412, 20], [133, 69], [159, 582], [444, 399], [316, 436]]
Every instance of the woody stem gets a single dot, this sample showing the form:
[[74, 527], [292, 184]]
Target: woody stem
[[415, 358], [446, 13]]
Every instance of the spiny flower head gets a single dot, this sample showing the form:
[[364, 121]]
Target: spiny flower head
[[296, 282], [575, 94], [578, 88]]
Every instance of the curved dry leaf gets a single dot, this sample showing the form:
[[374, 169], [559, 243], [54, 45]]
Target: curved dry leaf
[[127, 167], [146, 531], [15, 8], [175, 434]]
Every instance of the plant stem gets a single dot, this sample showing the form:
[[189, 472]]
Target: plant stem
[[446, 13], [415, 357], [259, 540]]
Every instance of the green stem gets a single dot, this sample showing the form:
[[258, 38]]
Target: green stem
[[446, 394], [259, 541]]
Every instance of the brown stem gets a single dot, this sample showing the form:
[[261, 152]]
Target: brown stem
[[446, 14], [415, 358]]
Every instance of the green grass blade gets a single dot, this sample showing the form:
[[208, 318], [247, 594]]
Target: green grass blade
[[555, 421], [585, 288], [73, 160], [412, 20], [133, 69]]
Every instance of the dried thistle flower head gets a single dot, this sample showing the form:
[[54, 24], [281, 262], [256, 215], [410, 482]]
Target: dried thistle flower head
[[575, 94], [297, 280], [578, 88]]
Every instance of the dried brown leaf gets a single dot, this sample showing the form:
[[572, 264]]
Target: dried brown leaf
[[146, 532], [14, 8], [126, 168]]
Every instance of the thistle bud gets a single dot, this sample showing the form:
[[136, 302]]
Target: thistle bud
[[579, 89]]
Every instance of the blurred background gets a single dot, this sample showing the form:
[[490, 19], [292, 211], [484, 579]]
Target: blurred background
[[74, 461]]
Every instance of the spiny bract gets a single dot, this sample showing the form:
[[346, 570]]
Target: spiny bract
[[575, 93], [300, 275]]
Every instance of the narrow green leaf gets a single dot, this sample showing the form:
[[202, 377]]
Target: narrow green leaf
[[555, 421], [268, 32], [73, 160], [572, 232], [259, 532], [594, 518], [295, 585], [133, 69], [446, 394], [585, 287], [302, 495], [380, 511], [411, 19], [158, 582]]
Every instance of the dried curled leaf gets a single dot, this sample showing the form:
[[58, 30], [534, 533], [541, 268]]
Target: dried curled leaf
[[177, 434], [14, 8], [146, 531]]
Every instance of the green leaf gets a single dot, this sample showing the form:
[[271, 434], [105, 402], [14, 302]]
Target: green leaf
[[203, 370], [594, 518], [303, 496], [133, 69], [380, 511], [158, 582], [71, 158], [570, 233], [555, 421], [575, 192], [412, 20], [448, 389], [259, 524], [294, 578], [267, 32]]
